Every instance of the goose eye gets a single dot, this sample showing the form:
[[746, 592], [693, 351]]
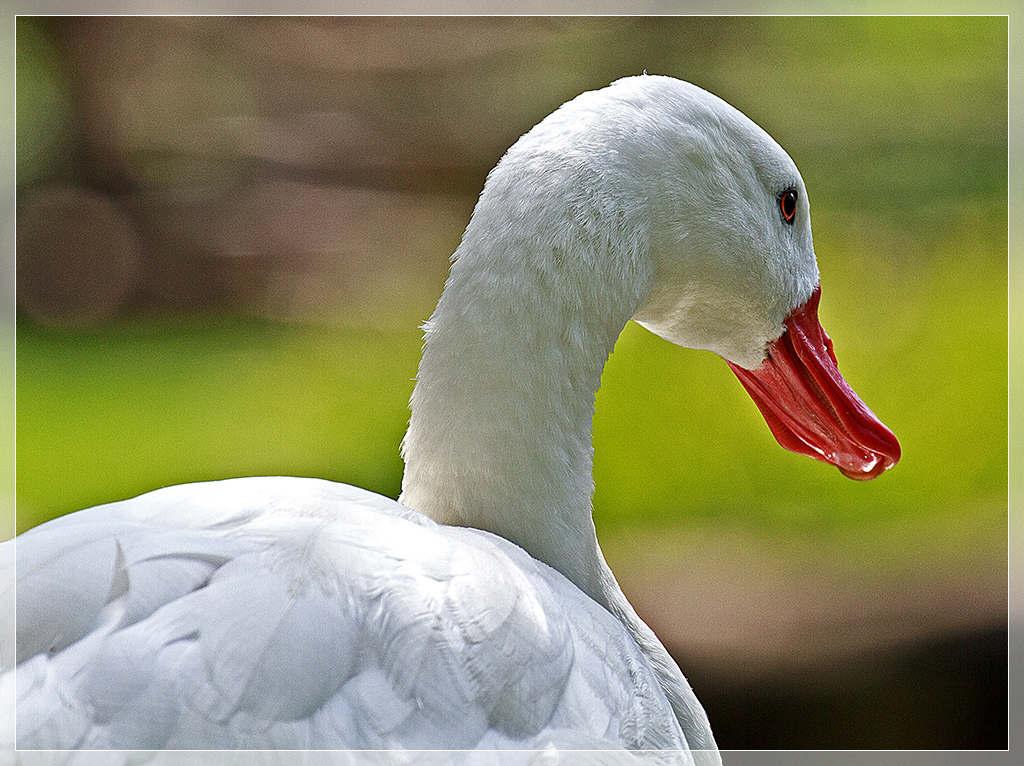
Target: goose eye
[[787, 204]]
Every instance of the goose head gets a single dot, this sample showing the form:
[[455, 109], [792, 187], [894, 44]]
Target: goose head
[[653, 200], [734, 272]]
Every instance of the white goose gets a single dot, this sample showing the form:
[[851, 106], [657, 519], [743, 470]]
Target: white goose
[[478, 611]]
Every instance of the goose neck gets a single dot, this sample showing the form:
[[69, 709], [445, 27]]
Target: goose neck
[[500, 433]]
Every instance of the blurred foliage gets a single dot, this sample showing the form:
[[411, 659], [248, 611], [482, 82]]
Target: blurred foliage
[[42, 103], [126, 409], [899, 128]]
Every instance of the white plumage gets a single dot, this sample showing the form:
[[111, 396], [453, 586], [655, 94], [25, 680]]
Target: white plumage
[[478, 613], [291, 613]]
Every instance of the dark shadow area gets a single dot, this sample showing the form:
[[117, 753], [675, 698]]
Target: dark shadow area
[[948, 693]]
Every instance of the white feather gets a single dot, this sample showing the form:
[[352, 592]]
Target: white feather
[[334, 618]]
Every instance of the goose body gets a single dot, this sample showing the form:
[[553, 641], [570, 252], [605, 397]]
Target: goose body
[[291, 613], [477, 611]]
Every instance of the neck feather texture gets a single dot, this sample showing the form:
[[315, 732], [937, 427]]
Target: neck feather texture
[[500, 433]]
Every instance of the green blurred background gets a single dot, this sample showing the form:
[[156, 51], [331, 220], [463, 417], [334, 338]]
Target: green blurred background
[[229, 230]]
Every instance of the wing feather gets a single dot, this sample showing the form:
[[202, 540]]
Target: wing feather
[[301, 614]]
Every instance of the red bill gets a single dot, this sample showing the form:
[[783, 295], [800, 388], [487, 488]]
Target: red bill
[[808, 405]]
